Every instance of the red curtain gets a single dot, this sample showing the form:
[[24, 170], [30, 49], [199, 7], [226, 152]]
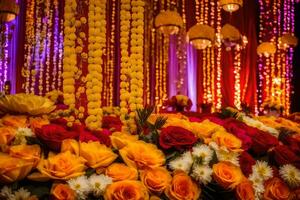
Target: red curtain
[[246, 21]]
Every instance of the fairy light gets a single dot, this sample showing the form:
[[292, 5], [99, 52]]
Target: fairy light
[[60, 54], [237, 85], [55, 45], [219, 55], [48, 46]]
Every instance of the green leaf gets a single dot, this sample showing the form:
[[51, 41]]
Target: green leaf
[[40, 192], [33, 140], [89, 172]]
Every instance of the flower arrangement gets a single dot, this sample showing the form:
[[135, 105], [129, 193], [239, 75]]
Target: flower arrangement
[[179, 103], [171, 156]]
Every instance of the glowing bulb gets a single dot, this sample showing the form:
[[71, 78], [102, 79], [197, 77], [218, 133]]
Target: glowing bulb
[[231, 7]]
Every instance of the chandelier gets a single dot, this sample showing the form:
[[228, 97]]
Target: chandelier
[[266, 49], [9, 9], [231, 37], [231, 5], [288, 41], [201, 36], [168, 22]]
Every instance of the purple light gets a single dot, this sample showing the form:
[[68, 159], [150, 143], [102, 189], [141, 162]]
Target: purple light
[[192, 75]]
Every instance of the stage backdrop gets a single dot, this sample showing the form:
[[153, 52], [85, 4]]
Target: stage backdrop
[[215, 76]]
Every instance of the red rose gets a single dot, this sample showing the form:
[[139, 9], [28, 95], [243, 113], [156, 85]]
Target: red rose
[[246, 163], [262, 142], [282, 155], [53, 135], [176, 137], [238, 129], [101, 136], [112, 123], [291, 142]]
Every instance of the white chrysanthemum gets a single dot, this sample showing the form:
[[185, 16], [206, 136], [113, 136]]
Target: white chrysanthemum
[[6, 192], [99, 183], [229, 156], [21, 135], [183, 163], [25, 132], [203, 153], [202, 174], [258, 124], [80, 185], [214, 146], [258, 185], [262, 169], [291, 175], [21, 194]]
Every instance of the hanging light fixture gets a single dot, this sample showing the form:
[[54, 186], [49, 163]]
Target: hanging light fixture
[[266, 49], [168, 22], [288, 41], [9, 9], [201, 36], [231, 37], [231, 5]]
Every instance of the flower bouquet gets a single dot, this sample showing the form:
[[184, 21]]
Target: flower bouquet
[[171, 156], [178, 103]]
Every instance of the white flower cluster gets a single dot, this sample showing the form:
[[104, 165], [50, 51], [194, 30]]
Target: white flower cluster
[[21, 135], [95, 184], [8, 194], [261, 172], [223, 154], [258, 124], [70, 57], [196, 162], [291, 175], [97, 43]]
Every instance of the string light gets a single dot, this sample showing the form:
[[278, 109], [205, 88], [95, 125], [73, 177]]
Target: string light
[[237, 83]]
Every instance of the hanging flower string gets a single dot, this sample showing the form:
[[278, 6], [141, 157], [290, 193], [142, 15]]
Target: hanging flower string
[[97, 43]]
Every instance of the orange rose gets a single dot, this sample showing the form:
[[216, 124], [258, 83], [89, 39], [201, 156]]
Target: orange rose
[[38, 122], [13, 169], [120, 172], [30, 153], [120, 139], [205, 129], [142, 155], [70, 145], [227, 174], [276, 189], [62, 166], [156, 179], [17, 121], [96, 154], [245, 191], [182, 188], [63, 192], [124, 190], [7, 134], [223, 138]]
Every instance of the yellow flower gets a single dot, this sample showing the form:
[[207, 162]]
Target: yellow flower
[[62, 166], [70, 145], [142, 155], [37, 122], [120, 172], [30, 153], [124, 190], [7, 134], [182, 188], [13, 169], [96, 154], [205, 129], [121, 139], [227, 174], [156, 179], [223, 138], [18, 121]]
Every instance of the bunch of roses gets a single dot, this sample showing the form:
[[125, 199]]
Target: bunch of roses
[[179, 103]]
